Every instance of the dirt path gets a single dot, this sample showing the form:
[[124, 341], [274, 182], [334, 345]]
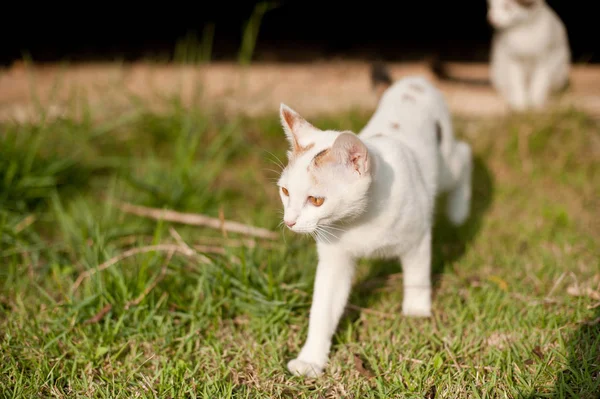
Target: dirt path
[[314, 88]]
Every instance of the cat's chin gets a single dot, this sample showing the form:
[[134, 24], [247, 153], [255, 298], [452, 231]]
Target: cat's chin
[[302, 230]]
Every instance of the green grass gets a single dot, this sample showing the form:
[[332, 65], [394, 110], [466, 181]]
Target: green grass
[[505, 321]]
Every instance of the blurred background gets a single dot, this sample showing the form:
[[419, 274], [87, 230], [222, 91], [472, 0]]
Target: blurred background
[[309, 54], [289, 31]]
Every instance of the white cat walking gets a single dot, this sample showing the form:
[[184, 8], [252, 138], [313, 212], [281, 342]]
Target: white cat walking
[[372, 195], [530, 55]]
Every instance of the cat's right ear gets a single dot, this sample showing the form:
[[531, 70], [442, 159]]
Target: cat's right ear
[[292, 124], [349, 150]]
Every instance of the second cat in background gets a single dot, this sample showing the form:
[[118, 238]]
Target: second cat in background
[[530, 55], [530, 58]]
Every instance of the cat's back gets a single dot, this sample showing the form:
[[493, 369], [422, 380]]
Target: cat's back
[[404, 108], [410, 127]]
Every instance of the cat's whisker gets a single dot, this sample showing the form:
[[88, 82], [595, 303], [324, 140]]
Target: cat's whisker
[[331, 234], [315, 235], [323, 238], [326, 233], [335, 229], [282, 232], [321, 233], [276, 160], [277, 172], [329, 228]]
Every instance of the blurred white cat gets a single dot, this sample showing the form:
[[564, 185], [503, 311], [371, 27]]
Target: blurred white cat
[[530, 54]]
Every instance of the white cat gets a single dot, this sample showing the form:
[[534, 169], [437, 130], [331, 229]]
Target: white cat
[[530, 55], [372, 195]]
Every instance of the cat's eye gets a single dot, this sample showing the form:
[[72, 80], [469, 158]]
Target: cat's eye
[[285, 191], [316, 201]]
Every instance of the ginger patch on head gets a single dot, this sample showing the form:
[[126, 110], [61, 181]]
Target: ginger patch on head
[[299, 150], [322, 157]]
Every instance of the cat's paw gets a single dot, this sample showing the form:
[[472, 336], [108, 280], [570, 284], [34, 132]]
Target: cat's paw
[[415, 311], [458, 212], [417, 303], [301, 368]]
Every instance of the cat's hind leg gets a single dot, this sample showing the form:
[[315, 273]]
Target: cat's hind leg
[[416, 268], [458, 205]]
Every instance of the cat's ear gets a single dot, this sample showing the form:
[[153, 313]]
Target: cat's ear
[[293, 125], [349, 150]]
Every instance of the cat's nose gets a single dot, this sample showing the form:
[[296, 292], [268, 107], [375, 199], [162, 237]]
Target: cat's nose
[[290, 224]]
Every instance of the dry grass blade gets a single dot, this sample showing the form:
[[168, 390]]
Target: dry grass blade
[[23, 224], [99, 316], [127, 254], [207, 242], [195, 219], [579, 291], [455, 365], [372, 311], [163, 272]]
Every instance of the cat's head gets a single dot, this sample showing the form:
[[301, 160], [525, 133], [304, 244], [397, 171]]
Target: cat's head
[[327, 176], [505, 13]]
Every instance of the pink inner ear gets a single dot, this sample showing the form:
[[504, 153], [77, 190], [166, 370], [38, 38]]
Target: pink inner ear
[[350, 150], [289, 118], [354, 155], [358, 159]]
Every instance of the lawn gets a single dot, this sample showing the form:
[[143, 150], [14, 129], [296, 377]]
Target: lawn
[[99, 302]]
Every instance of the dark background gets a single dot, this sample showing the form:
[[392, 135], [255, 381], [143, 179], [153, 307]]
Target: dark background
[[294, 31]]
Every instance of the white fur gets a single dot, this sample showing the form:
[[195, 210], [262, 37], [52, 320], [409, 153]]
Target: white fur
[[379, 200], [530, 56]]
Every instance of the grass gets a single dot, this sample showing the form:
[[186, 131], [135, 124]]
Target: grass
[[516, 305]]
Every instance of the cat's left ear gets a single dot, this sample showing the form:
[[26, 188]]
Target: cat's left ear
[[349, 149], [293, 125]]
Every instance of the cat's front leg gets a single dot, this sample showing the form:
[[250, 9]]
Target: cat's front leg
[[541, 82], [331, 290], [548, 71], [416, 267], [517, 90]]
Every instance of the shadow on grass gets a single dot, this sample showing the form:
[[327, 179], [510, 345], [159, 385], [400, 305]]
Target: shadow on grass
[[581, 376], [449, 243]]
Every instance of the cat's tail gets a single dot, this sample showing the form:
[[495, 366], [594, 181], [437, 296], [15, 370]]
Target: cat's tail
[[440, 70], [381, 78]]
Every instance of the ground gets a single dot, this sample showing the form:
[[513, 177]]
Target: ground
[[255, 90], [97, 299]]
